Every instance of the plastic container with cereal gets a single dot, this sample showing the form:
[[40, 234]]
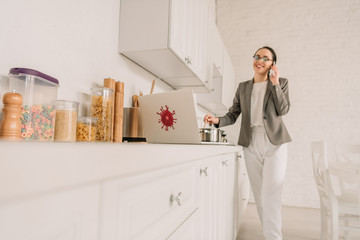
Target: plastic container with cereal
[[39, 93]]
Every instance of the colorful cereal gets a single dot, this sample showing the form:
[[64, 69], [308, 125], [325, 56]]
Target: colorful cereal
[[37, 122]]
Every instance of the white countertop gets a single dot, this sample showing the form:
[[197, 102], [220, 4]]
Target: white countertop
[[28, 168]]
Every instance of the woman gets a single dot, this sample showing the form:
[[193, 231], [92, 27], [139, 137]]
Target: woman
[[262, 101]]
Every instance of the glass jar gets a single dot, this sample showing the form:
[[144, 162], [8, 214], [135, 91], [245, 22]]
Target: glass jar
[[65, 120], [101, 108], [86, 129]]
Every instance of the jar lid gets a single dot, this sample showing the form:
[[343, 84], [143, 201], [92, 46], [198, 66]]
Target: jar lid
[[28, 71], [66, 105], [87, 120], [67, 102]]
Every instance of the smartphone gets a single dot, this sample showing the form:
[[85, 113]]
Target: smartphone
[[272, 72]]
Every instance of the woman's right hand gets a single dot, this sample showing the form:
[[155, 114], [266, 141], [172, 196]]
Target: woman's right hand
[[211, 119]]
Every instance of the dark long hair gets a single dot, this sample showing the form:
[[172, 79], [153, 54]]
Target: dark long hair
[[272, 52]]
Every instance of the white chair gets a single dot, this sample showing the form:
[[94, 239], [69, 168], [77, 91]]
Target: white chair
[[326, 193], [339, 211], [347, 172]]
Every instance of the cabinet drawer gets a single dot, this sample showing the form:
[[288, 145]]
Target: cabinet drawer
[[149, 206], [66, 215]]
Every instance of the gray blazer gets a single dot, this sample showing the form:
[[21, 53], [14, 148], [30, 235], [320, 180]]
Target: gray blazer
[[276, 104]]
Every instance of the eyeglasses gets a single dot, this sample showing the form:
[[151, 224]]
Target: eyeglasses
[[265, 59]]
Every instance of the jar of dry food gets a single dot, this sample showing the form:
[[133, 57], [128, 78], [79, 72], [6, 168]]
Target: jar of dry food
[[65, 120], [101, 108], [86, 129]]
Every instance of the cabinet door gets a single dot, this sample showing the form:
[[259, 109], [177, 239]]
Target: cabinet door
[[217, 52], [230, 185], [181, 28], [68, 215], [216, 207], [148, 206], [210, 191], [228, 84], [189, 35], [189, 230], [243, 189]]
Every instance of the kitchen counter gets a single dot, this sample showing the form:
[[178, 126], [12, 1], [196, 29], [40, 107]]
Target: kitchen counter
[[31, 168]]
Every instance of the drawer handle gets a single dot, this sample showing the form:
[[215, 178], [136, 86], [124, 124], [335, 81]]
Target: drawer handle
[[225, 163], [177, 199], [204, 171]]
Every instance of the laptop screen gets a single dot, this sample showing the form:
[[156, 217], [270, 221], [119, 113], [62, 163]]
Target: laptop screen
[[170, 117]]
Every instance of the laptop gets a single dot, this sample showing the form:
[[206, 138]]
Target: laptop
[[170, 117]]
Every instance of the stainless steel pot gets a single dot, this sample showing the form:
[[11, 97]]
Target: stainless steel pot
[[210, 134]]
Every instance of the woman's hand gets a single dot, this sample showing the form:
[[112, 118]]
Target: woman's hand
[[274, 78], [211, 119]]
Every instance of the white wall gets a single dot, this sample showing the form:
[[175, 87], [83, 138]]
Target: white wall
[[73, 41], [317, 43]]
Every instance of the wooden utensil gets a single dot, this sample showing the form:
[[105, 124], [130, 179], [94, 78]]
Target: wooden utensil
[[10, 127], [119, 111], [135, 101], [110, 83], [152, 86]]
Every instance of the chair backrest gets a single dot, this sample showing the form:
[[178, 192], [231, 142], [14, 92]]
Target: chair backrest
[[348, 165], [320, 168]]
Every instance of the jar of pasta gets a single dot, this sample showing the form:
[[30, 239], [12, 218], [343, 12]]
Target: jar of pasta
[[65, 120], [101, 108], [86, 129]]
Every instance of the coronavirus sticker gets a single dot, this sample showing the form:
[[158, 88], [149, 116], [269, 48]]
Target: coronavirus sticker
[[166, 118]]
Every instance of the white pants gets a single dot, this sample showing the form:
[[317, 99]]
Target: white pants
[[266, 167]]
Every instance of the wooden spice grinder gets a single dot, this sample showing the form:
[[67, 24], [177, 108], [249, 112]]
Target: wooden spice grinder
[[10, 127]]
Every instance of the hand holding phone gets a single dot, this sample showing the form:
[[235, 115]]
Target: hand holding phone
[[274, 74]]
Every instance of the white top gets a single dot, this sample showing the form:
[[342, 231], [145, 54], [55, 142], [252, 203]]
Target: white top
[[257, 104]]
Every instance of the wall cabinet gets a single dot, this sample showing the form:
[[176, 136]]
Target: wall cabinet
[[220, 98], [228, 82], [168, 38]]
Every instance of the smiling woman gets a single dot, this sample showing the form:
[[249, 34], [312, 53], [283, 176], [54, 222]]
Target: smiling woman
[[263, 101]]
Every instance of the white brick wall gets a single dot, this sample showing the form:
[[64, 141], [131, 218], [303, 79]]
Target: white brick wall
[[318, 47]]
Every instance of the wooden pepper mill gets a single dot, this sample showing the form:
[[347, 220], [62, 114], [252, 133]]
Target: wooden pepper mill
[[10, 127]]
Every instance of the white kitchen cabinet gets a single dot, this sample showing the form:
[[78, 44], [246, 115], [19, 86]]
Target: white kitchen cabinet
[[168, 38], [220, 98], [217, 197], [189, 230], [106, 192], [149, 206], [230, 191], [64, 215], [228, 81], [243, 188], [217, 52]]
